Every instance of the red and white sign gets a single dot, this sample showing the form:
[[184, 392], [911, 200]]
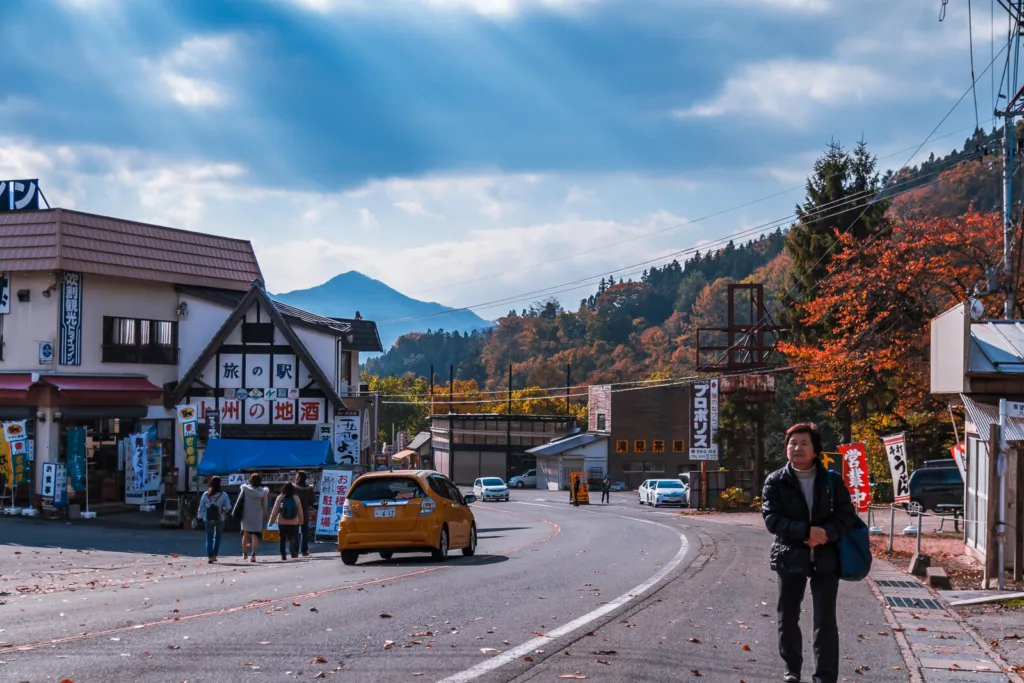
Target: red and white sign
[[896, 449], [855, 474], [959, 453]]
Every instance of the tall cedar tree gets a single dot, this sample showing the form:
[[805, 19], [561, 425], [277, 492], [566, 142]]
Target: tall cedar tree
[[839, 202]]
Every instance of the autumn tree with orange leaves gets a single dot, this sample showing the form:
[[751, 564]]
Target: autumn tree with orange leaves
[[879, 297]]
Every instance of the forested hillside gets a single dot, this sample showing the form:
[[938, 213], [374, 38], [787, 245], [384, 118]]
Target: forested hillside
[[858, 364]]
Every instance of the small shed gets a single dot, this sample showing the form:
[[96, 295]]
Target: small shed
[[974, 364], [585, 452]]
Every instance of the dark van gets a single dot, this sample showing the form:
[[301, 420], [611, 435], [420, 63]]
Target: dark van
[[930, 487]]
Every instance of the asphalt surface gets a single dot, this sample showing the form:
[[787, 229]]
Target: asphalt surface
[[610, 592]]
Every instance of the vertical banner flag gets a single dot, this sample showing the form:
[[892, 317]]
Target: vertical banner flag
[[76, 457], [959, 453], [6, 464], [188, 427], [333, 494], [71, 319], [16, 453], [896, 449], [138, 460], [704, 422], [855, 474]]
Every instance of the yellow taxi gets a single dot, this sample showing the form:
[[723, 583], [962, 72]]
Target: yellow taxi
[[405, 511]]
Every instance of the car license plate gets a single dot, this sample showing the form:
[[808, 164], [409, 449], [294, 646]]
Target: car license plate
[[384, 512]]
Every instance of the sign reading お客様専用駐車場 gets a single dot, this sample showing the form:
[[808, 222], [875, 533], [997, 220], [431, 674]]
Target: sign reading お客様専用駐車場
[[19, 195], [704, 420]]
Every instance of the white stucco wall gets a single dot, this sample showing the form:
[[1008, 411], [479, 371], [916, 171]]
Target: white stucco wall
[[196, 329], [322, 348], [29, 323]]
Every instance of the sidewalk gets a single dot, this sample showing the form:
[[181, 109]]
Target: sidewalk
[[937, 643]]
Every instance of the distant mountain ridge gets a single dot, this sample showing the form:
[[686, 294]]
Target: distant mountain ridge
[[343, 295]]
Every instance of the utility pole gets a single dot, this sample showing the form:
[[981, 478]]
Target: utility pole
[[568, 383], [508, 427]]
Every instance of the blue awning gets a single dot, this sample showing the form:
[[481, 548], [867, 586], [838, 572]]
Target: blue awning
[[227, 456]]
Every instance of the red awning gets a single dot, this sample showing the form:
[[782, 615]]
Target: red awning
[[15, 386], [91, 387]]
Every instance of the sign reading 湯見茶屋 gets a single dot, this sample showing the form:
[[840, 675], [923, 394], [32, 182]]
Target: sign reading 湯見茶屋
[[896, 450], [71, 319], [19, 195], [704, 420]]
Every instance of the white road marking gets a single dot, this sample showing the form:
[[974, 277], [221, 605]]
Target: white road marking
[[528, 647], [536, 505]]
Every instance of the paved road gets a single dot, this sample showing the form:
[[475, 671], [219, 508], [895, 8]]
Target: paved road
[[609, 592]]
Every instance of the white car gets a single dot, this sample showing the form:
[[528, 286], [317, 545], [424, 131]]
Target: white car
[[658, 492], [526, 480], [490, 488]]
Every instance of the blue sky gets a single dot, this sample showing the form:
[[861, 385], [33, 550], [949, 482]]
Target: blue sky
[[468, 150]]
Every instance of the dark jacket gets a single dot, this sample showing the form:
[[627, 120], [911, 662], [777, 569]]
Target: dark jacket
[[785, 513], [307, 496]]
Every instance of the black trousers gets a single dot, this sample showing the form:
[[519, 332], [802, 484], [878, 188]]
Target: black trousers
[[606, 497], [289, 539], [824, 594], [305, 533]]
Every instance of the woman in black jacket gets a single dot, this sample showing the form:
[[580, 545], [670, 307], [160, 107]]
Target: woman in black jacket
[[808, 509]]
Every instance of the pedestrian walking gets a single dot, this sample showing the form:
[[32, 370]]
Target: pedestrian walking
[[251, 511], [808, 509], [213, 508], [308, 497], [288, 516], [606, 489]]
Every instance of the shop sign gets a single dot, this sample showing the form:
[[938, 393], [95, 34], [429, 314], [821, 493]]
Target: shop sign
[[45, 353], [16, 453], [346, 437], [55, 483], [188, 428], [19, 195], [855, 474], [323, 432], [71, 319], [365, 434], [704, 422], [334, 486], [959, 453], [5, 294], [144, 468], [6, 463], [896, 449]]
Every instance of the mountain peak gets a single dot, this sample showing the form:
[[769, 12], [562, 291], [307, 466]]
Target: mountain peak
[[352, 291]]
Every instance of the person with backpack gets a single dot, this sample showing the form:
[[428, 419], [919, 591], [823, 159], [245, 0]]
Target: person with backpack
[[288, 515], [808, 509], [213, 509], [251, 512], [308, 497]]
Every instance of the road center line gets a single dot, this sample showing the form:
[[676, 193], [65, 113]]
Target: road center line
[[528, 647]]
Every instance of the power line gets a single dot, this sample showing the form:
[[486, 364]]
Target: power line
[[638, 267]]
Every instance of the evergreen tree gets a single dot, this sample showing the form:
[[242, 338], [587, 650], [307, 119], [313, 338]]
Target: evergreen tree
[[840, 198]]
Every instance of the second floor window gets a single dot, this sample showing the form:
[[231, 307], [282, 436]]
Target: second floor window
[[130, 340]]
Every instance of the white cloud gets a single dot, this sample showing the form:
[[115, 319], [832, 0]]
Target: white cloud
[[792, 91], [367, 219], [416, 209], [495, 9], [492, 195], [187, 73]]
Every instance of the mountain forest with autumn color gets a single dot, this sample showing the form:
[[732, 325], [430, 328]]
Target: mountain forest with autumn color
[[853, 284]]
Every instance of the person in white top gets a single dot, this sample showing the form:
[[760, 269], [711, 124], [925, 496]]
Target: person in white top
[[213, 509]]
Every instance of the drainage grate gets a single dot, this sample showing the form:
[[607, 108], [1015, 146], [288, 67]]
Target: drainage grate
[[898, 584], [913, 603]]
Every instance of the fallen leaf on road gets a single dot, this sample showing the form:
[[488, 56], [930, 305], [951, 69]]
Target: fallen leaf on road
[[385, 616], [174, 647], [318, 660], [538, 634], [388, 644], [266, 642], [746, 648], [490, 651], [577, 677], [862, 669], [695, 672], [604, 653], [693, 640], [320, 675], [421, 634], [603, 661], [296, 604], [417, 673], [527, 658], [313, 609]]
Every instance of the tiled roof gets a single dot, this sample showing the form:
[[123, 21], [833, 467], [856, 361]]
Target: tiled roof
[[296, 316], [59, 239], [364, 334]]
